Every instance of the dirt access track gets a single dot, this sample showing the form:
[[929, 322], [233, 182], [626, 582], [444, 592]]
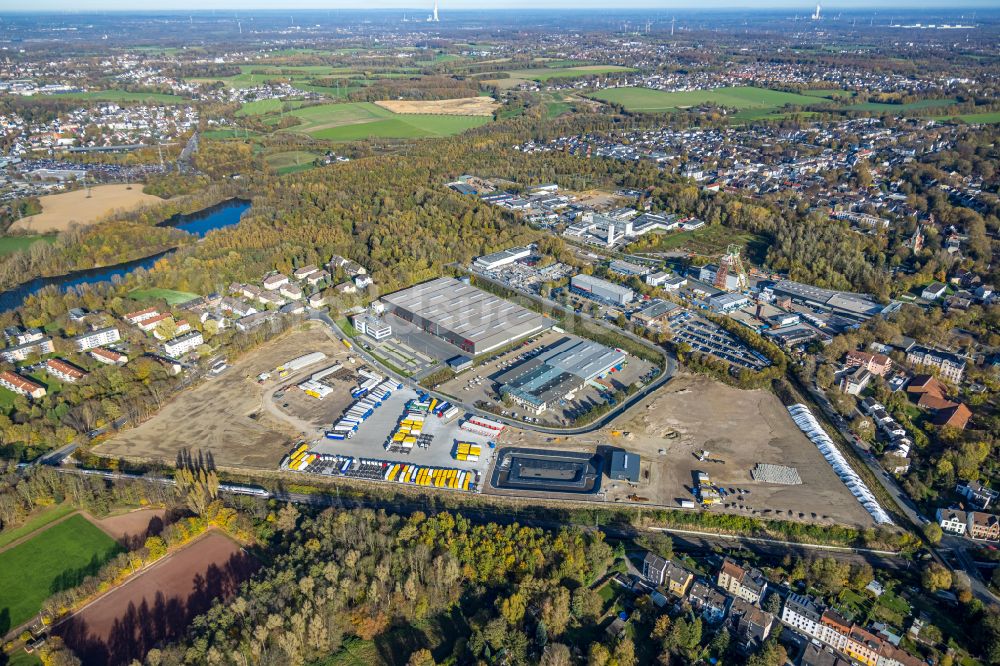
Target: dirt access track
[[464, 106], [224, 415], [739, 429], [59, 211], [157, 605]]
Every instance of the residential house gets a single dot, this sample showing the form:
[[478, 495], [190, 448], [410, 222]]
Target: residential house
[[956, 416], [750, 625], [150, 323], [933, 291], [237, 307], [984, 526], [97, 338], [678, 579], [951, 366], [317, 277], [183, 344], [291, 291], [304, 272], [801, 612], [710, 602], [108, 356], [854, 380], [65, 371], [252, 321], [654, 569], [140, 315], [834, 629], [275, 281], [21, 385], [746, 583], [363, 281], [820, 655], [317, 300], [22, 351], [952, 521], [346, 288], [978, 495], [877, 364], [863, 645]]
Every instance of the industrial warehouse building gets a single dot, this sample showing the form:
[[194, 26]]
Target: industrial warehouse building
[[496, 260], [560, 370], [601, 290], [469, 318]]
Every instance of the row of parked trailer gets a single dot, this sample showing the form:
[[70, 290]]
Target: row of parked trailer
[[408, 430], [482, 426], [439, 408], [806, 422], [362, 410], [301, 459], [467, 452]]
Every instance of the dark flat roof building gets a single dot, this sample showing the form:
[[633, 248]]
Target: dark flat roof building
[[473, 320]]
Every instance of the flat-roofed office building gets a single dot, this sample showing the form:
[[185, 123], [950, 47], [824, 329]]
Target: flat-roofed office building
[[473, 320]]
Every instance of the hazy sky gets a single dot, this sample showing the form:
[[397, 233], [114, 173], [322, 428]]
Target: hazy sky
[[680, 5]]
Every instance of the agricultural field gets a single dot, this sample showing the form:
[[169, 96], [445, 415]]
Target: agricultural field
[[465, 106], [157, 604], [125, 96], [910, 106], [85, 206], [551, 71], [10, 244], [975, 118], [38, 520], [54, 559], [171, 296], [263, 106], [361, 120], [745, 97], [291, 161]]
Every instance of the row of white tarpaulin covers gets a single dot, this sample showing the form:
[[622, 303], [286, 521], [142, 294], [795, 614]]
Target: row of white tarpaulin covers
[[810, 426]]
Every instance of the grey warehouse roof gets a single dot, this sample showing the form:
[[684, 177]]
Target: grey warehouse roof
[[480, 317]]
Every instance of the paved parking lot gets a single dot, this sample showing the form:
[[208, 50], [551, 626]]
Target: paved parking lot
[[705, 336], [369, 441]]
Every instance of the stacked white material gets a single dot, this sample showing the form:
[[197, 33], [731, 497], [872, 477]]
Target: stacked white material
[[810, 426]]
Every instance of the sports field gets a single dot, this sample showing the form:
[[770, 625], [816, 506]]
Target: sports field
[[361, 120], [171, 296], [744, 97], [10, 244], [55, 559]]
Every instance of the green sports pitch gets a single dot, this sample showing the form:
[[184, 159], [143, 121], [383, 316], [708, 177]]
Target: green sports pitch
[[742, 98], [54, 559]]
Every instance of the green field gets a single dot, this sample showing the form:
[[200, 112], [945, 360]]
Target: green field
[[910, 106], [22, 658], [265, 106], [657, 101], [546, 73], [291, 161], [234, 133], [361, 120], [709, 240], [171, 296], [10, 244], [975, 118], [56, 559], [40, 519], [125, 96]]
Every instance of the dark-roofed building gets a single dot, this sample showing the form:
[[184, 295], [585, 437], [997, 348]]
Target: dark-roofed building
[[858, 306], [750, 625], [746, 583], [563, 368], [624, 466], [816, 655], [469, 318], [951, 366], [710, 602], [654, 568]]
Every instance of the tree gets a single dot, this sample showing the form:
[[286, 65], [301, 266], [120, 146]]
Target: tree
[[556, 654], [773, 603], [422, 657], [586, 604], [598, 655], [288, 518], [625, 652], [936, 577], [933, 533], [771, 654]]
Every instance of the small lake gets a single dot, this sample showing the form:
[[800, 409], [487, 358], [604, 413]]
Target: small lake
[[200, 223]]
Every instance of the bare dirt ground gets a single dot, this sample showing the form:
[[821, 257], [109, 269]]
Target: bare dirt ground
[[156, 605], [133, 527], [465, 106], [224, 415], [741, 428], [59, 211]]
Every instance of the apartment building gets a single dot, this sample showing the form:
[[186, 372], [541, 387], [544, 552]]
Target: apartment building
[[748, 584], [950, 366], [97, 338], [65, 371], [24, 350], [183, 344], [21, 385]]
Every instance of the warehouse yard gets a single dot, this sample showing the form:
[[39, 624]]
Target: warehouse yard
[[225, 414], [739, 429]]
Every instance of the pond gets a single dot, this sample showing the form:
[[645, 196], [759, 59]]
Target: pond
[[200, 223]]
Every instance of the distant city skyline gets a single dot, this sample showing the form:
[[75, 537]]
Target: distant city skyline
[[806, 6]]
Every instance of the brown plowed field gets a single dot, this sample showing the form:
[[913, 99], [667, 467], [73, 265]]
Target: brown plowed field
[[158, 604], [465, 106]]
